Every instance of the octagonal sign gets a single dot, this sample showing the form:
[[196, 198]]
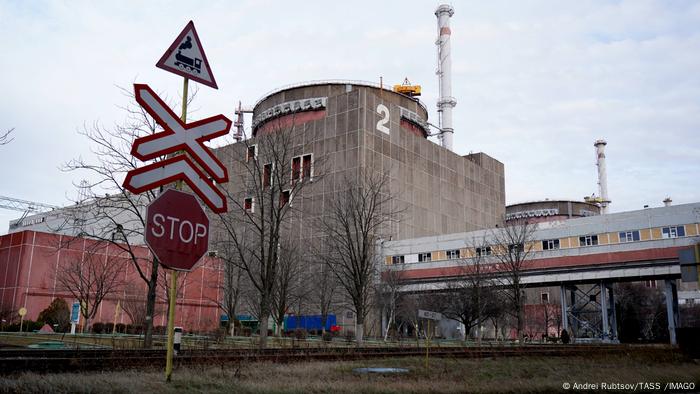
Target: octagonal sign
[[177, 229]]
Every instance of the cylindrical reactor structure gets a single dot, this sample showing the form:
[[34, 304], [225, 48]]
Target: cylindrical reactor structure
[[445, 102], [338, 107], [602, 175]]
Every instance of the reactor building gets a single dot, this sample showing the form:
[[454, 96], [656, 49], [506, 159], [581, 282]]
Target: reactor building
[[352, 126]]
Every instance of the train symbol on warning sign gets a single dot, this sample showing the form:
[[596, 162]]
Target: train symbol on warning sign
[[186, 57], [188, 63]]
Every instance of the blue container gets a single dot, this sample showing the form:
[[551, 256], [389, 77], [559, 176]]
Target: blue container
[[308, 322]]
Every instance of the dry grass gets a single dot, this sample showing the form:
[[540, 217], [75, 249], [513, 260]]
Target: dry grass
[[531, 374]]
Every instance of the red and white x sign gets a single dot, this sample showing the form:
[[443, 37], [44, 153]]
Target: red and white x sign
[[177, 136]]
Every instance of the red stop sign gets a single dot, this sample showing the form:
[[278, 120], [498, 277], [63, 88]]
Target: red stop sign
[[177, 229]]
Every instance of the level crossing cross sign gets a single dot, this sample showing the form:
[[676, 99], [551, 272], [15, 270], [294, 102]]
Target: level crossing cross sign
[[175, 137], [185, 57]]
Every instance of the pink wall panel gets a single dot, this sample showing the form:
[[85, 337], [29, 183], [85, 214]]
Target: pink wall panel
[[48, 240], [36, 266]]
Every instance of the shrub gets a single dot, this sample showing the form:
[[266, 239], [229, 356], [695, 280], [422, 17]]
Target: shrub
[[349, 336], [327, 336], [57, 313], [247, 331], [98, 328], [565, 337], [160, 330], [300, 333], [27, 326], [121, 328]]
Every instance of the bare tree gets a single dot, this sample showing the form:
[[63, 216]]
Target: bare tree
[[89, 280], [470, 299], [5, 137], [512, 244], [389, 293], [133, 303], [8, 315], [552, 318], [499, 317], [358, 218], [231, 284], [268, 177], [118, 217], [323, 292], [288, 286]]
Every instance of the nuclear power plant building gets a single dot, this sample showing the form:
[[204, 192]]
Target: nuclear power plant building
[[339, 128]]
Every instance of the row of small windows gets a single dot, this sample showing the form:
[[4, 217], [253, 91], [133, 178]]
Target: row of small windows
[[673, 232], [553, 244], [302, 166], [249, 202], [302, 169]]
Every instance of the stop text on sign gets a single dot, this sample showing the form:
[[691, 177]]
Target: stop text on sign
[[171, 227], [177, 229]]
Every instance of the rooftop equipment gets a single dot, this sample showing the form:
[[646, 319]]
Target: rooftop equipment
[[407, 89]]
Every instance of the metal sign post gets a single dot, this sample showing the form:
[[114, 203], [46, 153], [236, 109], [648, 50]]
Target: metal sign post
[[173, 274], [22, 312], [429, 316], [183, 144]]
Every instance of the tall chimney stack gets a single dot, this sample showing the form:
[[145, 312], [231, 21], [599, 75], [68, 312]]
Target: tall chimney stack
[[445, 102], [602, 175]]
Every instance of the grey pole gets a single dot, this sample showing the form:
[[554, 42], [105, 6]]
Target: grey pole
[[672, 309], [564, 313], [604, 311], [613, 312]]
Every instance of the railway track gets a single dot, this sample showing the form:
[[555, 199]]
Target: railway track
[[21, 360]]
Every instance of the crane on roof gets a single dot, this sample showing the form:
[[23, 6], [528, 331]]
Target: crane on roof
[[407, 89], [27, 207]]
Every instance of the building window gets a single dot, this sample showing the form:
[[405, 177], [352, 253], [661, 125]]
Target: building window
[[252, 153], [453, 254], [544, 297], [515, 248], [267, 175], [588, 240], [484, 251], [296, 168], [248, 204], [285, 196], [302, 167], [306, 166], [673, 232], [550, 244], [397, 260], [629, 236], [424, 257]]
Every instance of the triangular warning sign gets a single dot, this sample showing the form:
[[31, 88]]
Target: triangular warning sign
[[186, 57]]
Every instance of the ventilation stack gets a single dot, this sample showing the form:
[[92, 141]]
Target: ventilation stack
[[445, 102], [602, 176]]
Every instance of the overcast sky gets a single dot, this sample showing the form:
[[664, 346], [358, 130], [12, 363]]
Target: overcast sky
[[536, 82]]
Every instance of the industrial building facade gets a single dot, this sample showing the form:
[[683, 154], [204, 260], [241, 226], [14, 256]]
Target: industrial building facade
[[572, 261], [30, 260], [341, 128]]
